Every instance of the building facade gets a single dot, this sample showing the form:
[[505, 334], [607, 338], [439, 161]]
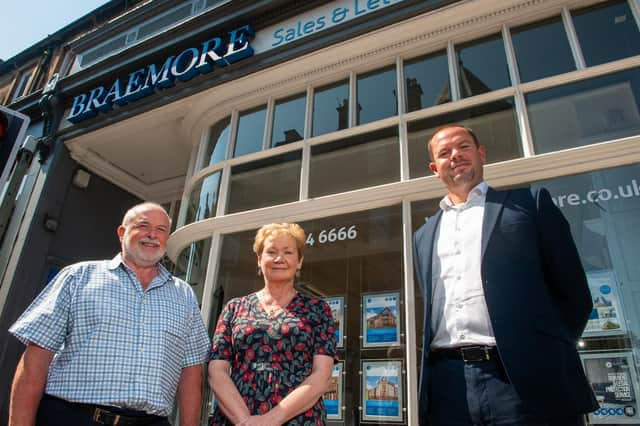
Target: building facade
[[238, 113]]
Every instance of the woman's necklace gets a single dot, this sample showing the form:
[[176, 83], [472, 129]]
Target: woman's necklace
[[273, 308]]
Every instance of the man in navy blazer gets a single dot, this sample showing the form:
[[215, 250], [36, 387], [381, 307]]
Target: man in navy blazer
[[506, 299]]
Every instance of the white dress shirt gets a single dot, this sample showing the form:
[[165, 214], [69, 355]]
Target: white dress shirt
[[459, 314]]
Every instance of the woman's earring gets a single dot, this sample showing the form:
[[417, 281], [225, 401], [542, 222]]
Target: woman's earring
[[297, 273], [259, 272]]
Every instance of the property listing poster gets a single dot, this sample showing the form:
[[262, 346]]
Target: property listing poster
[[381, 321], [337, 310], [333, 396], [382, 391], [614, 382], [606, 317]]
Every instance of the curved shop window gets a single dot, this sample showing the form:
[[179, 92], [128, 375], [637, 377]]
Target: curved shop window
[[203, 200], [288, 120], [191, 265], [216, 147], [250, 132]]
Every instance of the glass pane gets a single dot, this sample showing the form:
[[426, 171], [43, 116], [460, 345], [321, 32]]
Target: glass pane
[[288, 120], [363, 263], [542, 50], [585, 112], [250, 131], [427, 81], [603, 210], [164, 21], [357, 162], [377, 95], [109, 47], [482, 66], [607, 32], [330, 108], [263, 183], [218, 141], [494, 124], [204, 198], [191, 265]]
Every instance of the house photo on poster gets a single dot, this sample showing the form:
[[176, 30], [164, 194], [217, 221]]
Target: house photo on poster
[[380, 319], [337, 310], [382, 394], [606, 317], [614, 381], [333, 396]]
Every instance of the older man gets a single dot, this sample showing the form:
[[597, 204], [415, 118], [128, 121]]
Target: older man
[[112, 342], [506, 300]]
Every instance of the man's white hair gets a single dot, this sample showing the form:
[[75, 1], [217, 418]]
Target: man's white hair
[[133, 211]]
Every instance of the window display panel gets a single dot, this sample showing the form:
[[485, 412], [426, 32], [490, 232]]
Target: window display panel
[[191, 265], [542, 50], [250, 131], [603, 210], [377, 95], [353, 163], [263, 183], [288, 120], [427, 81], [204, 198], [482, 66], [494, 124], [347, 257], [585, 112], [216, 150], [607, 32], [330, 108]]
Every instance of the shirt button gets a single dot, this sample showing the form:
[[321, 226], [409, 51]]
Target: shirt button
[[462, 336]]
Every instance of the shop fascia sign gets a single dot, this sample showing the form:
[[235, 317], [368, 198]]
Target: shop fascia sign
[[183, 67]]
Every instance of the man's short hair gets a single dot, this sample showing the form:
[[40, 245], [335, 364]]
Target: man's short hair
[[447, 126], [131, 213]]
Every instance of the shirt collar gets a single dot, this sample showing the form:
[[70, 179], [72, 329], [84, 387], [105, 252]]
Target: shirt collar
[[163, 274], [478, 192]]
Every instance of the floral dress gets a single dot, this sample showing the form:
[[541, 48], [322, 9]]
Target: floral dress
[[271, 356]]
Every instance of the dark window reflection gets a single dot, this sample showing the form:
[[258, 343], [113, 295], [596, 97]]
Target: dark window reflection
[[542, 50], [288, 120], [250, 131], [204, 198], [377, 95], [263, 183], [427, 81], [331, 108], [482, 66], [494, 124], [357, 162], [585, 112], [191, 265], [607, 32], [218, 141]]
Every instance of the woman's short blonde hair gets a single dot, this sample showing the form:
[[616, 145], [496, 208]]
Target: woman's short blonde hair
[[277, 229]]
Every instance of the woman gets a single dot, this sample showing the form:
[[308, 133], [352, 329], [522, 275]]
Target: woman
[[279, 344]]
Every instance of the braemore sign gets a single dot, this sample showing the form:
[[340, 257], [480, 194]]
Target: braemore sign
[[183, 67]]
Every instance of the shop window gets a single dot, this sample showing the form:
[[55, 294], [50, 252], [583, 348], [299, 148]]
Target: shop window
[[354, 261], [585, 112], [542, 50], [493, 123], [218, 140], [603, 210], [263, 183], [427, 81], [250, 131], [204, 198], [191, 265], [105, 49], [482, 66], [377, 95], [607, 32], [288, 120], [330, 108], [361, 161], [164, 21]]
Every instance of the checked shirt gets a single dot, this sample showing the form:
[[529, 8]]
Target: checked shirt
[[116, 344]]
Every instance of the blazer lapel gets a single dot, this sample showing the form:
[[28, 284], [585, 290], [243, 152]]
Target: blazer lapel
[[493, 205]]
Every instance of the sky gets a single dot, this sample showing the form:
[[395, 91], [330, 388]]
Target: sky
[[26, 22]]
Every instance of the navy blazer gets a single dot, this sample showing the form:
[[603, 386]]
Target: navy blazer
[[537, 296]]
